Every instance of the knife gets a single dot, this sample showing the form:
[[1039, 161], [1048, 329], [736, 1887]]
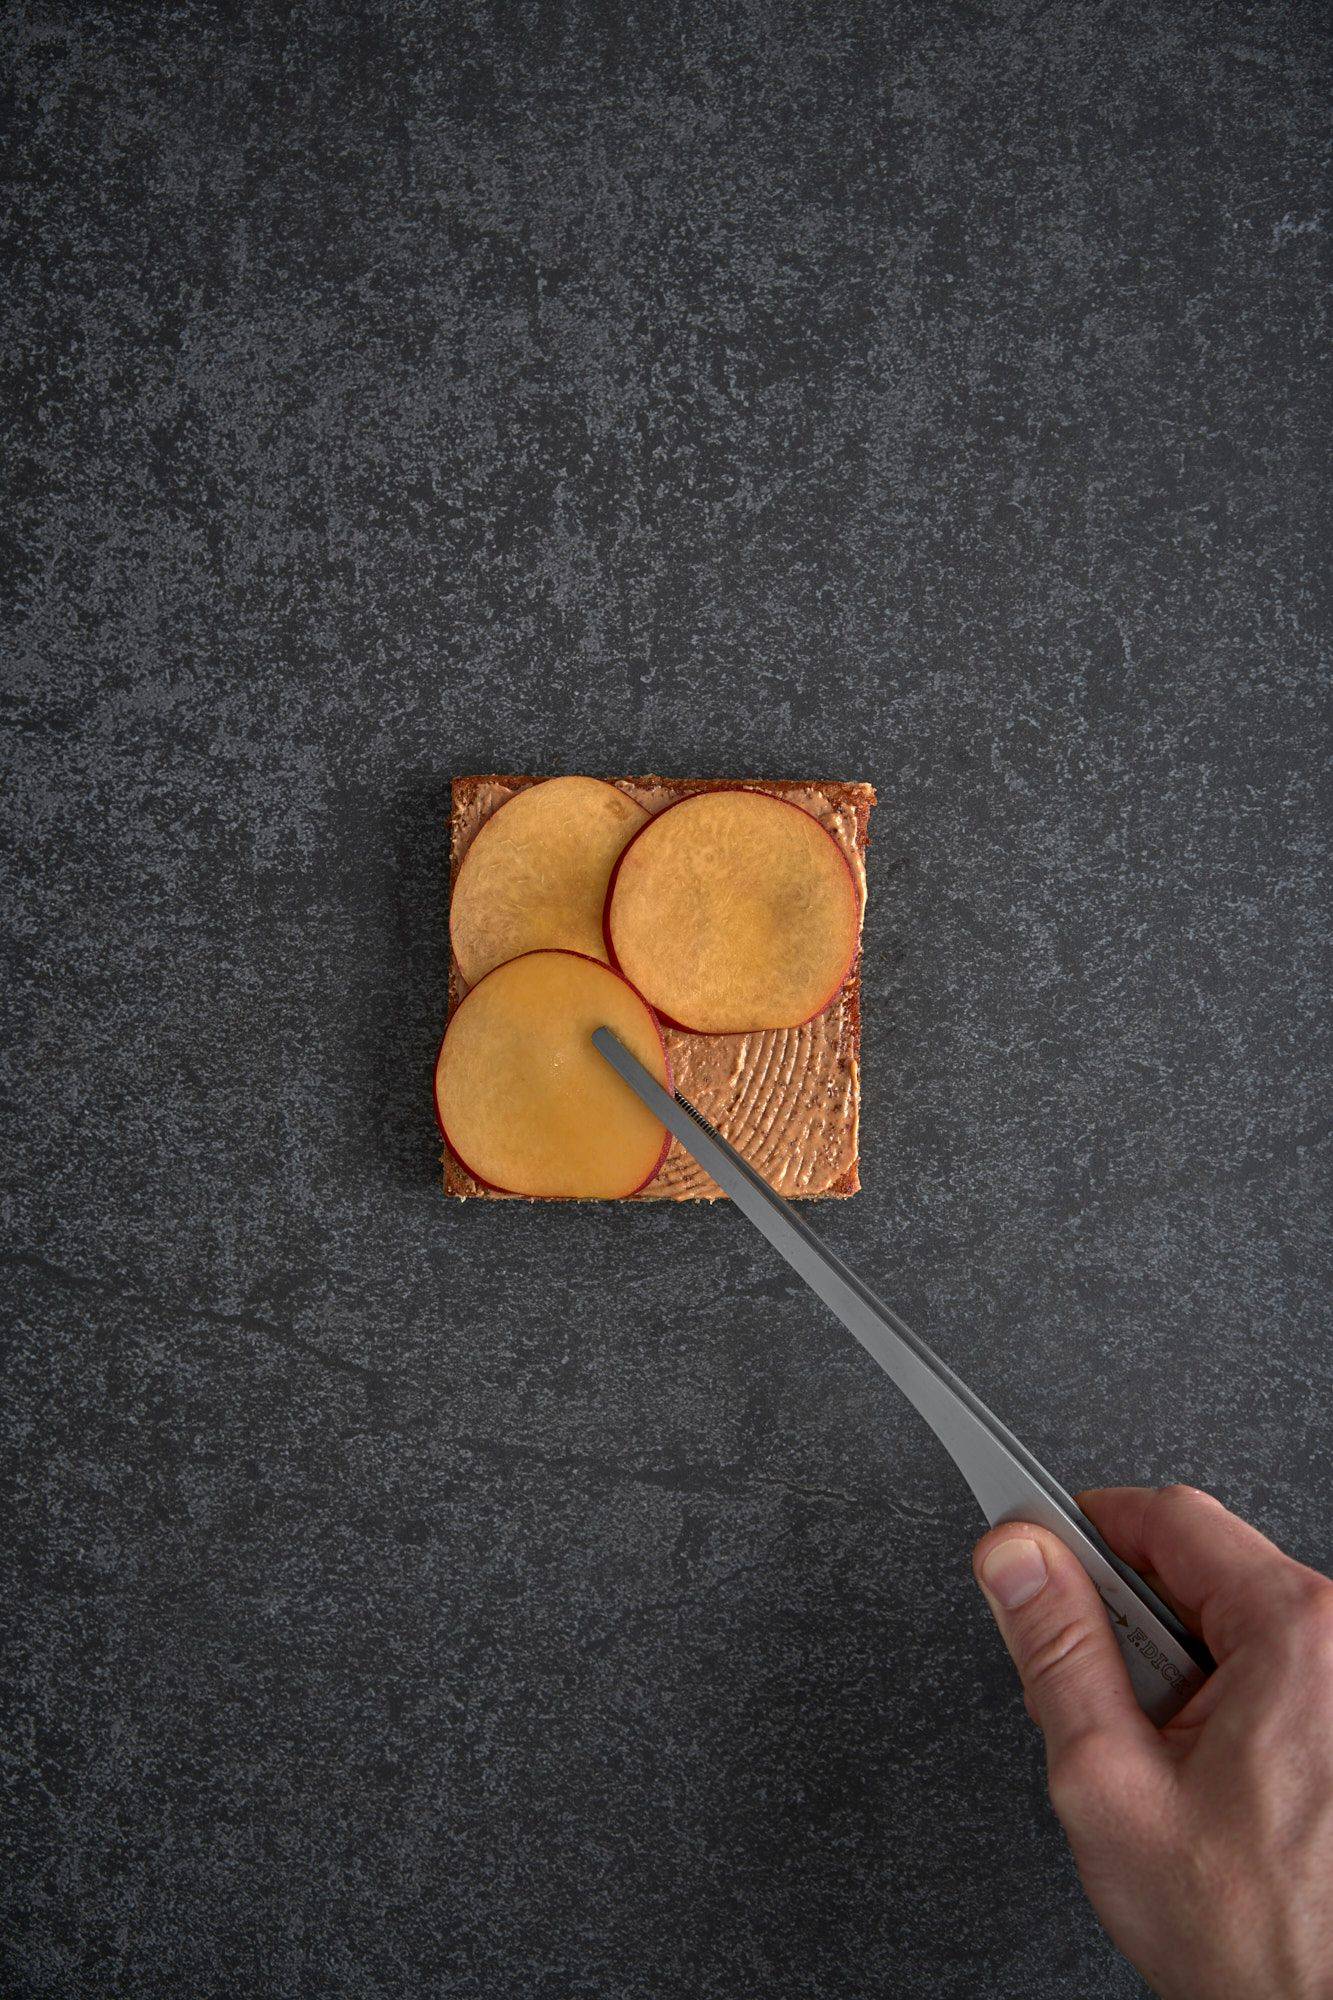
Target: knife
[[1166, 1663]]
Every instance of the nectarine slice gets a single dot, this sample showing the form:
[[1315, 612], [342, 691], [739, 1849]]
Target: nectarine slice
[[733, 911], [525, 1102], [535, 876]]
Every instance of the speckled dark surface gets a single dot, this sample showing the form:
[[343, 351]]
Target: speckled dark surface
[[479, 1601]]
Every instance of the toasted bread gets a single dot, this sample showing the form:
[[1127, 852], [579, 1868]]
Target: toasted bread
[[789, 1099]]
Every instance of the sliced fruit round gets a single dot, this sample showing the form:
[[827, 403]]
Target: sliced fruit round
[[535, 877], [733, 911], [525, 1102]]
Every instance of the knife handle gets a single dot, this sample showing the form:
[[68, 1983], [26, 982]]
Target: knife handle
[[1166, 1665]]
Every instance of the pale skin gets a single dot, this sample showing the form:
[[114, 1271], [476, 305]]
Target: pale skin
[[1206, 1847]]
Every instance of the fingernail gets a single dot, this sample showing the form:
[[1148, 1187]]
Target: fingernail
[[1014, 1571]]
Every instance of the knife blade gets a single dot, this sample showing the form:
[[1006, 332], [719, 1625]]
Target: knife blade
[[1166, 1664]]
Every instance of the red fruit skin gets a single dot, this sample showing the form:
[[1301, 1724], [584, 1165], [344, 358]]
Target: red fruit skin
[[670, 1019], [494, 1186]]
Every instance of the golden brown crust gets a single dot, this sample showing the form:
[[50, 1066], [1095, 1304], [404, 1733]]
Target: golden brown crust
[[828, 1048]]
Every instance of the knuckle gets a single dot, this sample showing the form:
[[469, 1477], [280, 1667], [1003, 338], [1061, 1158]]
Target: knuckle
[[1318, 1599], [1315, 1624], [1078, 1775], [1178, 1499], [1058, 1649], [1299, 1609]]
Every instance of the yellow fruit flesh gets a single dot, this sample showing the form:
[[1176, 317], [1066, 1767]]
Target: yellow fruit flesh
[[535, 876], [734, 911], [525, 1100]]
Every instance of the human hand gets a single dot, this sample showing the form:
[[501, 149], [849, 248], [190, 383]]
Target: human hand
[[1206, 1847]]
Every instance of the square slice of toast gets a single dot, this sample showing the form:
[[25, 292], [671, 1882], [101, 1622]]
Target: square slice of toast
[[788, 1099]]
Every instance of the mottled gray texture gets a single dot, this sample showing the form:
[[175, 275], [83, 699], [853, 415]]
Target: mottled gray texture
[[487, 1601]]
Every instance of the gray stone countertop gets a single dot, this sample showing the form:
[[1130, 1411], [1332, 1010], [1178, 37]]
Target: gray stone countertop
[[413, 1599]]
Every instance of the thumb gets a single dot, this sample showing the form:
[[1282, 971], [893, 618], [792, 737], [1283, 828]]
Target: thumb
[[1055, 1626]]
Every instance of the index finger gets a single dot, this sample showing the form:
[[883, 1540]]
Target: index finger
[[1212, 1563]]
